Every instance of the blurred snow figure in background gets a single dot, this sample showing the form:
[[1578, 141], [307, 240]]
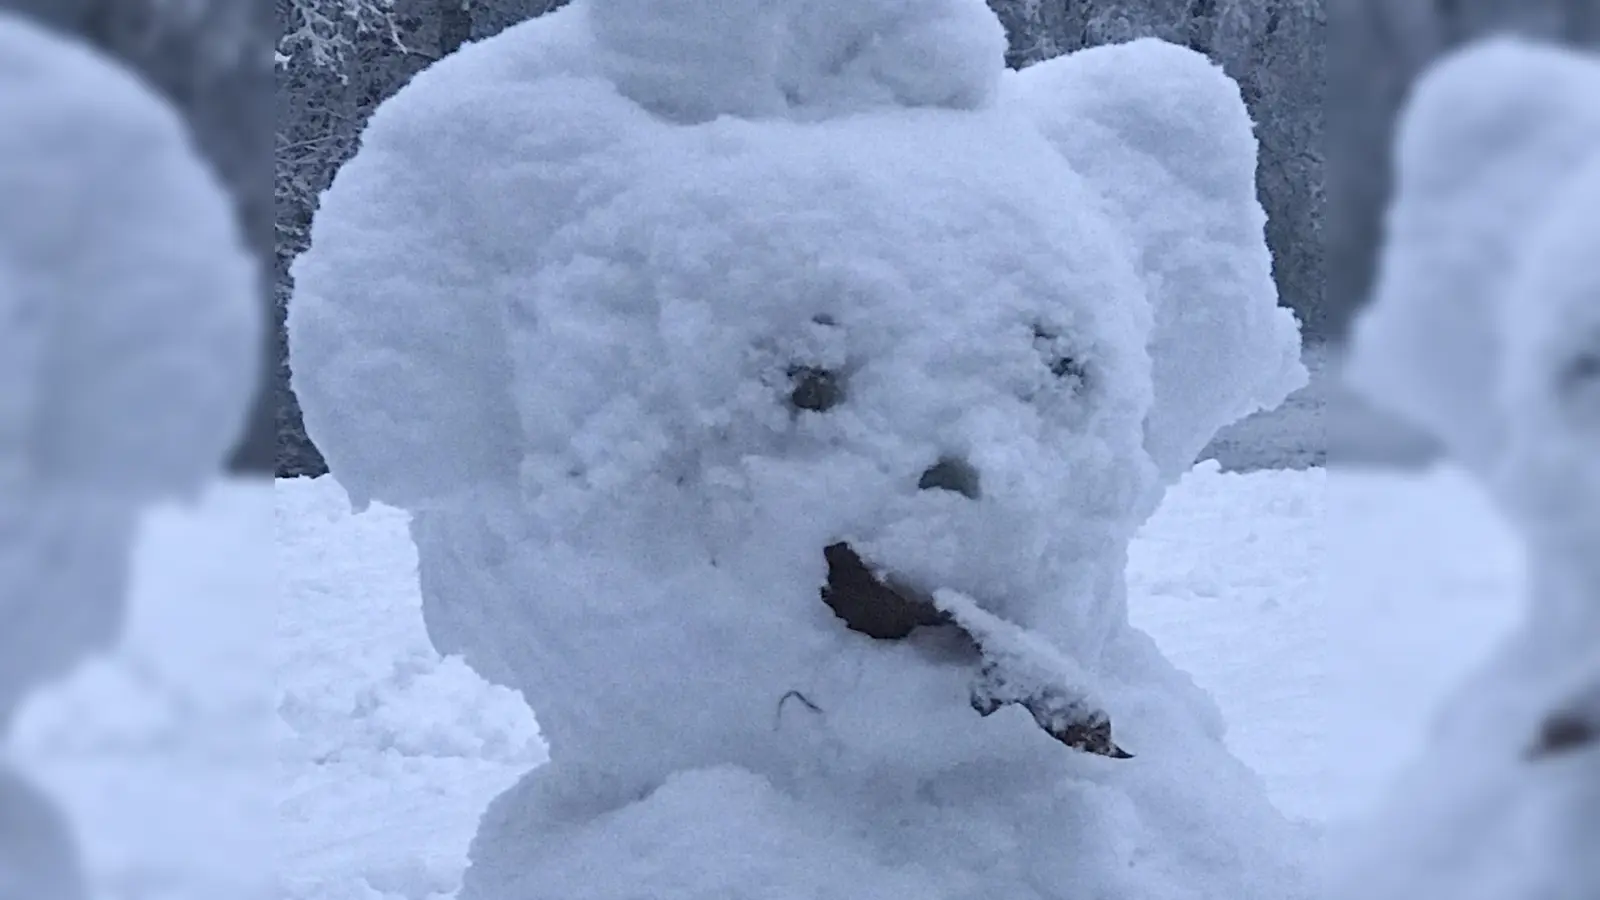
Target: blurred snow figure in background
[[127, 361], [1485, 330], [775, 389]]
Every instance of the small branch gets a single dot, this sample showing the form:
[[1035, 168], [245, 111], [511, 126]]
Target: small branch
[[778, 719]]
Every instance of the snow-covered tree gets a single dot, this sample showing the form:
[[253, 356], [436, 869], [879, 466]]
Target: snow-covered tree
[[324, 33], [1485, 331], [775, 414]]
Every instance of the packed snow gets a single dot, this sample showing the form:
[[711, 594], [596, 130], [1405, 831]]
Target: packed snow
[[1485, 331], [387, 753], [127, 362], [775, 417], [160, 751], [1263, 586]]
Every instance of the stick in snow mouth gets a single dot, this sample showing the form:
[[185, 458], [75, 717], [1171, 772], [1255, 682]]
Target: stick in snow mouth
[[1011, 668], [868, 604]]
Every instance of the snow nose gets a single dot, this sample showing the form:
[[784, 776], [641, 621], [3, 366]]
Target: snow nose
[[951, 474]]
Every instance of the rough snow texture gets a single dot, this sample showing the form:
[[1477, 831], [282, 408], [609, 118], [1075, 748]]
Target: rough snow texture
[[1497, 352], [1263, 585], [632, 365], [127, 349], [694, 60], [131, 325], [386, 753], [1180, 185], [158, 750]]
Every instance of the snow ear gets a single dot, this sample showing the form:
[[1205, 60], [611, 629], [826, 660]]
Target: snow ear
[[1164, 136], [1486, 142], [427, 255]]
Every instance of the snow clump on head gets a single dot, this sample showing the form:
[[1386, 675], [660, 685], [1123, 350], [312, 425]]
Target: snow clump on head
[[694, 60]]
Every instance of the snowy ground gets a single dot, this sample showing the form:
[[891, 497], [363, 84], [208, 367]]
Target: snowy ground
[[1322, 421], [1326, 611]]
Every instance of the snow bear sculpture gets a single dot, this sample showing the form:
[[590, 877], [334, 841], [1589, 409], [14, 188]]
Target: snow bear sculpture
[[1485, 329], [776, 388], [127, 361]]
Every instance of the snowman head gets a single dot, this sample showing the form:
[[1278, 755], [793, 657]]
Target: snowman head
[[780, 350], [674, 388]]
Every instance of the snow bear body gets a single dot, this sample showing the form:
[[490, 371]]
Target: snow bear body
[[127, 361], [638, 355], [1486, 331]]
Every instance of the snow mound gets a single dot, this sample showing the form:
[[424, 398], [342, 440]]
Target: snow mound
[[386, 752], [644, 371], [1486, 330], [389, 692], [1491, 136], [132, 326], [158, 749], [127, 360]]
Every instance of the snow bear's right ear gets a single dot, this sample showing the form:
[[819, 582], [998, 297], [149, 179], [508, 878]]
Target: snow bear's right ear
[[1164, 136], [427, 251], [1486, 142]]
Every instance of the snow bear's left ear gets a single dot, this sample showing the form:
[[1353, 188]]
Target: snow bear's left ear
[[427, 252], [1163, 134], [1486, 142]]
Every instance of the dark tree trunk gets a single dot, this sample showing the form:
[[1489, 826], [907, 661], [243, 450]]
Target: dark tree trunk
[[455, 25]]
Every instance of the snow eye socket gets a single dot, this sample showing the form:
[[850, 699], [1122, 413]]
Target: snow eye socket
[[815, 389], [1061, 364], [1582, 372]]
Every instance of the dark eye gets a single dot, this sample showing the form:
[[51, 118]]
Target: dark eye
[[1580, 371], [1066, 367], [1062, 365], [815, 389]]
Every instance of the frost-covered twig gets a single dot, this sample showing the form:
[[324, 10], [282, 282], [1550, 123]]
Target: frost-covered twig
[[1021, 669], [1018, 668], [324, 31]]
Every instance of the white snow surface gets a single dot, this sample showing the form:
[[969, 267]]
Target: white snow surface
[[631, 368], [1263, 586], [1493, 265], [158, 751]]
